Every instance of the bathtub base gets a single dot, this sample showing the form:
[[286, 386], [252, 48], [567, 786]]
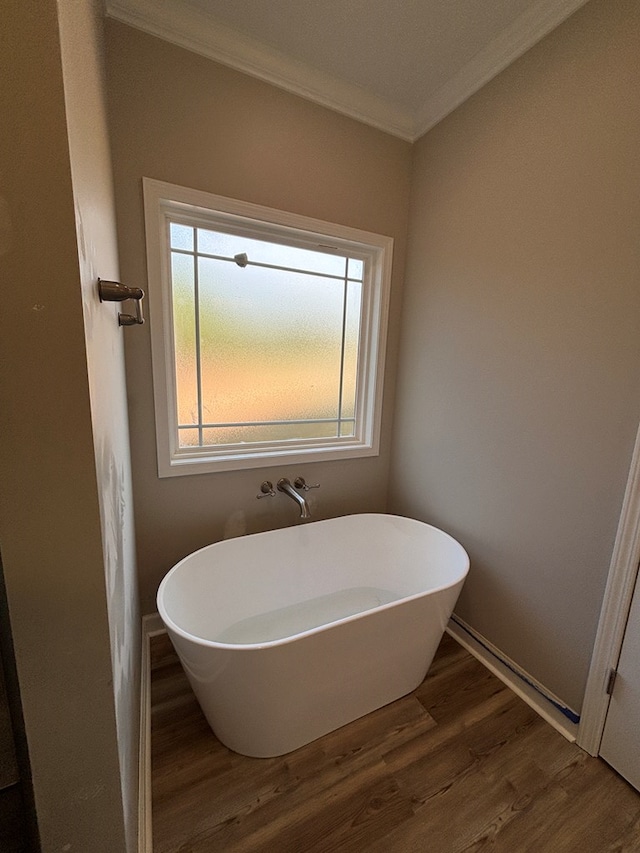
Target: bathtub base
[[270, 701]]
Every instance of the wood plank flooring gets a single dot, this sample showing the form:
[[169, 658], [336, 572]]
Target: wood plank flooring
[[461, 764]]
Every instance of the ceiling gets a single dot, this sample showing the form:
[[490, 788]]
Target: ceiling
[[399, 65]]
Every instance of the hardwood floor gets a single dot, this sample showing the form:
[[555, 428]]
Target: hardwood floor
[[461, 764]]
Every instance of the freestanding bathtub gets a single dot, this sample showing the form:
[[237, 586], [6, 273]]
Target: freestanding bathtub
[[290, 634]]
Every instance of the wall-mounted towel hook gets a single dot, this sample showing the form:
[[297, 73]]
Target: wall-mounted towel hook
[[113, 291]]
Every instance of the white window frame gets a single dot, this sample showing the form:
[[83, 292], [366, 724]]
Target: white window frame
[[161, 201]]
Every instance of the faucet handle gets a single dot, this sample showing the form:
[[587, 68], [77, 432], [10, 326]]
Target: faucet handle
[[267, 490], [300, 483]]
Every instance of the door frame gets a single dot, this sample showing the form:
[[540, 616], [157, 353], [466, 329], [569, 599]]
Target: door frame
[[621, 580]]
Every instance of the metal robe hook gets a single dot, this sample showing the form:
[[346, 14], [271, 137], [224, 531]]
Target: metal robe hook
[[113, 291]]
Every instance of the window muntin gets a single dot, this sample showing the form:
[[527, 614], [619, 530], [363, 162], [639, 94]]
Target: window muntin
[[267, 333]]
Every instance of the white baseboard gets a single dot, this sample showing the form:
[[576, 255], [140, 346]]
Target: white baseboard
[[151, 626], [506, 671]]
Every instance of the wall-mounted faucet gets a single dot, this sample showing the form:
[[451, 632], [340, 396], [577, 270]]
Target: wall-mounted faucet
[[285, 486]]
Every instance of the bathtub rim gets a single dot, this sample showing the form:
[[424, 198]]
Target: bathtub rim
[[171, 625]]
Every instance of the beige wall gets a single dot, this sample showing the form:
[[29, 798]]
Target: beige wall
[[52, 503], [517, 399], [179, 117], [81, 30]]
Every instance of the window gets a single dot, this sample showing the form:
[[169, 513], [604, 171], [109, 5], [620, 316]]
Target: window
[[267, 332]]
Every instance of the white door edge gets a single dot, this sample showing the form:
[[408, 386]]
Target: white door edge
[[615, 609]]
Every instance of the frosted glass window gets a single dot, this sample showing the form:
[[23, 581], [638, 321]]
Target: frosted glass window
[[184, 332], [270, 345], [181, 236], [270, 349], [355, 269], [264, 252], [267, 334]]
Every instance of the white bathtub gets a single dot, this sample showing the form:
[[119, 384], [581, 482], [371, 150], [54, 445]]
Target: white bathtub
[[290, 634]]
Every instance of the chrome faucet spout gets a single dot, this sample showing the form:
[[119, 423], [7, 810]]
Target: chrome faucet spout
[[285, 486]]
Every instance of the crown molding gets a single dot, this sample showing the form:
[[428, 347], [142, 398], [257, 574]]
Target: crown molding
[[189, 26], [528, 29]]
